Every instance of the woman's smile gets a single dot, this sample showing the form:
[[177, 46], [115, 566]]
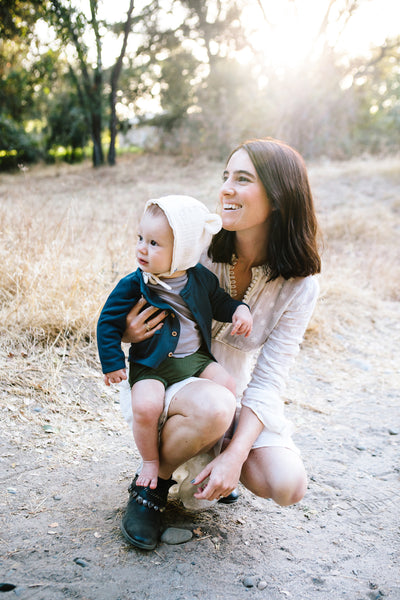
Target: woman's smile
[[231, 206]]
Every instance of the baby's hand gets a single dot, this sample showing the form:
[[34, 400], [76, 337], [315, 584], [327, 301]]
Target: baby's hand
[[242, 321], [115, 376]]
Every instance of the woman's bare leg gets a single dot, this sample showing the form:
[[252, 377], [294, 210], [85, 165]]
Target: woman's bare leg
[[275, 472], [198, 417], [217, 373]]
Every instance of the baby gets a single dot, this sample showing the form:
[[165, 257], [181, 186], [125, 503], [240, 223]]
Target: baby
[[173, 232]]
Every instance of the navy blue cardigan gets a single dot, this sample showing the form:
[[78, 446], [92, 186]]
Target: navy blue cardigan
[[203, 295]]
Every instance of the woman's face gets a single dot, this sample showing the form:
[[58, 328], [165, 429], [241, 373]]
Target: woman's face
[[242, 196]]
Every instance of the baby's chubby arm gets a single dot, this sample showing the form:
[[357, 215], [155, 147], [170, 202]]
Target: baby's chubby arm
[[115, 376], [242, 321]]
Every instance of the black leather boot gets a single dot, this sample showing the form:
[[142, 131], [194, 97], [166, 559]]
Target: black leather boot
[[231, 498], [142, 521]]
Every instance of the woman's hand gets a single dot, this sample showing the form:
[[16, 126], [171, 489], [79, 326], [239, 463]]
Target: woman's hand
[[223, 472], [139, 325]]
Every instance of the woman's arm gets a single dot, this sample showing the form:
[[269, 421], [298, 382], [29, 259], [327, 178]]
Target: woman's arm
[[262, 404], [263, 394], [224, 471]]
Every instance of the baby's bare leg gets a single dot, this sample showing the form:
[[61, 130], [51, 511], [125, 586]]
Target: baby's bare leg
[[147, 405], [217, 373]]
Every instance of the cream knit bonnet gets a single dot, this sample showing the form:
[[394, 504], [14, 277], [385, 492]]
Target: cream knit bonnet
[[193, 227]]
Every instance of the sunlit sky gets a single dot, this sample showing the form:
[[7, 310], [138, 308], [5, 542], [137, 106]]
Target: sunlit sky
[[292, 25], [375, 21], [286, 39], [295, 23]]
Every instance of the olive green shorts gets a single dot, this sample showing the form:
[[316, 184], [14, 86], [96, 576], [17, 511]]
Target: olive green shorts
[[172, 369]]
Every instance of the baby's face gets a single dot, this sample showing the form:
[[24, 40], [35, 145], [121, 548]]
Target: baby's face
[[155, 244]]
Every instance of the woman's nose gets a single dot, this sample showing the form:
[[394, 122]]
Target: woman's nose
[[226, 188]]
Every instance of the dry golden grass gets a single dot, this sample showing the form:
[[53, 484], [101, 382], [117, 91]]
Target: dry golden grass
[[358, 204], [68, 233]]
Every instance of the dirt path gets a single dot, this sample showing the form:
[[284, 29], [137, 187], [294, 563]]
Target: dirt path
[[65, 470], [63, 493]]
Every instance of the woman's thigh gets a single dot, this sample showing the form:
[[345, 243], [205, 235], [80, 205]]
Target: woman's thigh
[[197, 417], [275, 472]]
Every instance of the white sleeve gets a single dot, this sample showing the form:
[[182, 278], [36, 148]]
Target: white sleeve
[[263, 394]]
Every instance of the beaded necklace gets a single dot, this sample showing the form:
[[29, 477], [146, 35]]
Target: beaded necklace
[[232, 278], [256, 273]]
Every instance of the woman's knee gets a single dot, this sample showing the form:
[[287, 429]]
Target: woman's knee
[[276, 473], [216, 416], [290, 490], [208, 405]]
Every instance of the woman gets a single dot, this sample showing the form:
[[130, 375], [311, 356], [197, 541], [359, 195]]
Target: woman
[[265, 255]]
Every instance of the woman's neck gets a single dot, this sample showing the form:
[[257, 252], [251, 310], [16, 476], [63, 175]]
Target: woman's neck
[[251, 249]]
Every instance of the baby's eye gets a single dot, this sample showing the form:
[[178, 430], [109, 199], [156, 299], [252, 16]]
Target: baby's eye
[[140, 238], [153, 243]]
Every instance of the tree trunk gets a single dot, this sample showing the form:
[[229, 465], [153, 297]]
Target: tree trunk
[[113, 128], [115, 73], [97, 155], [96, 110]]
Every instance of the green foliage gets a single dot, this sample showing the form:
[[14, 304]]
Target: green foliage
[[184, 62], [18, 16], [228, 105], [16, 146], [67, 125], [15, 80], [176, 89], [377, 87]]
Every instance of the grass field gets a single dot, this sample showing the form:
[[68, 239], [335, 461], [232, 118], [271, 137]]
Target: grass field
[[67, 234]]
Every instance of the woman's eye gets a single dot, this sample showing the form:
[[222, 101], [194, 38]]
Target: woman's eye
[[242, 179]]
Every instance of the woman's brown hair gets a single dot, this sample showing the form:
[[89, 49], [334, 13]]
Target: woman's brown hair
[[292, 241]]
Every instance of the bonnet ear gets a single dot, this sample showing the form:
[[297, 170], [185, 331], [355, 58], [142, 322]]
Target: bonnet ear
[[212, 223]]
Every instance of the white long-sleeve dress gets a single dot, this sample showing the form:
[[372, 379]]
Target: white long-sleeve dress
[[260, 363]]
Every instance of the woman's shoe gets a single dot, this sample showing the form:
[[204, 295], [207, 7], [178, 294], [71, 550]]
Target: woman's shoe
[[231, 498], [142, 521], [185, 489]]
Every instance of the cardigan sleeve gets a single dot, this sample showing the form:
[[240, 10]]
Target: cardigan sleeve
[[222, 304], [263, 394], [112, 323]]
